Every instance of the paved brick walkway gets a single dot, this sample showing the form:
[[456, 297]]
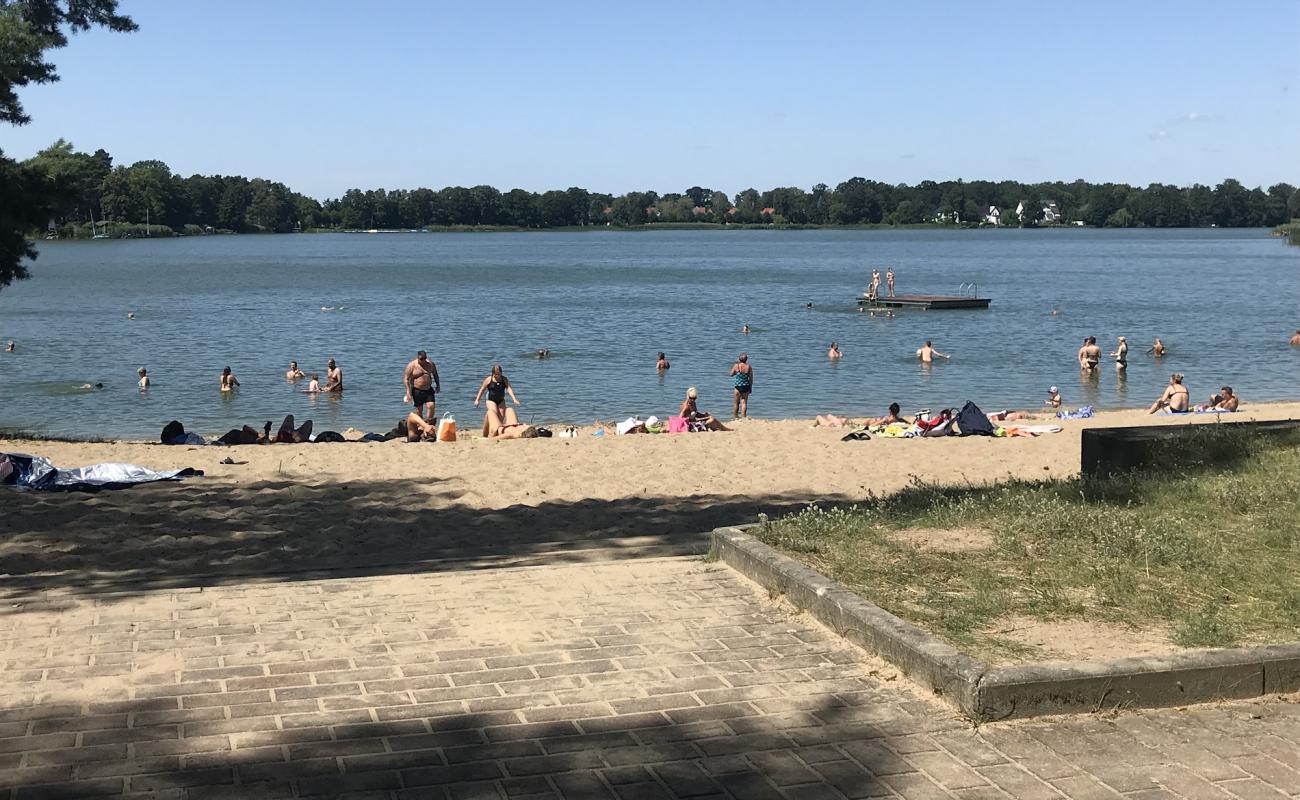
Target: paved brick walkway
[[639, 679]]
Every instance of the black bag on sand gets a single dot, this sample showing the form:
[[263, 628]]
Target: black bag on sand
[[171, 432], [971, 421]]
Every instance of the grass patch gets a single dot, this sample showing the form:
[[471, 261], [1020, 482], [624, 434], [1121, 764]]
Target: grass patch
[[1205, 549]]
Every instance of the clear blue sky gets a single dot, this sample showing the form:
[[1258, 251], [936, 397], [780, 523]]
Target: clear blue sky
[[616, 96]]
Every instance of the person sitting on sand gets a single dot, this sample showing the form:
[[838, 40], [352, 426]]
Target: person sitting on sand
[[1089, 355], [1053, 397], [927, 353], [496, 385], [695, 418], [834, 353], [1225, 400], [294, 373], [143, 383], [1158, 349], [893, 416], [333, 377], [1175, 397], [662, 364], [742, 378], [228, 381], [1295, 341]]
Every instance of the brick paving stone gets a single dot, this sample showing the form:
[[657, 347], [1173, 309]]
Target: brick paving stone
[[634, 679]]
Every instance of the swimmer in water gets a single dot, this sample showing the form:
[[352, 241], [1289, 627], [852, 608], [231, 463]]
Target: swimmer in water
[[1089, 355], [228, 381], [543, 353], [662, 364], [834, 352], [314, 385], [1295, 340], [807, 305], [294, 373], [9, 348], [744, 329], [130, 315], [1121, 354], [143, 383], [1158, 349], [927, 353]]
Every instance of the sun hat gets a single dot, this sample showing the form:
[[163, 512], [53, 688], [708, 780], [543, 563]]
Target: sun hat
[[1053, 390]]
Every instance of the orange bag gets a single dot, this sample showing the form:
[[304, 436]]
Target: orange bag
[[447, 428]]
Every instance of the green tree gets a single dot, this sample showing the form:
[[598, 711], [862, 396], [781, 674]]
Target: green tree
[[28, 31]]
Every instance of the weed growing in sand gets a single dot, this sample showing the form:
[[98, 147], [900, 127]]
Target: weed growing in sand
[[1205, 550]]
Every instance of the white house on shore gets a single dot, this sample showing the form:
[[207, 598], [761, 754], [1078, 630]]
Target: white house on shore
[[993, 217], [1051, 214]]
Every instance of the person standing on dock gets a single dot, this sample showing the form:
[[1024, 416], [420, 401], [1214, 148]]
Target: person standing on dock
[[742, 375], [889, 281], [875, 284]]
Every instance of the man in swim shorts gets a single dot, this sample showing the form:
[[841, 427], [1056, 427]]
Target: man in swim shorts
[[422, 385]]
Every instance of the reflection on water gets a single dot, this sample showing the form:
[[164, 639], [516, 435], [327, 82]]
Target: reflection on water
[[605, 303]]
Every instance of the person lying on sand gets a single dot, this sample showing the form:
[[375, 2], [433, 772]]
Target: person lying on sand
[[417, 428], [831, 421], [1175, 397], [695, 418], [288, 434], [1007, 415]]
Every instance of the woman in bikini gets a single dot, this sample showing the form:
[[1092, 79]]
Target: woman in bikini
[[496, 385], [1175, 397], [228, 382]]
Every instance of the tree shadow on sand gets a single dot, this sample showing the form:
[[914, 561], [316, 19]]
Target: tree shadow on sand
[[195, 533]]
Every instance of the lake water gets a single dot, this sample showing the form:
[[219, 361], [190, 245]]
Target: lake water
[[604, 302]]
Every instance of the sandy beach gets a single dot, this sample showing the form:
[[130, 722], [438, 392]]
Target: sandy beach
[[390, 506]]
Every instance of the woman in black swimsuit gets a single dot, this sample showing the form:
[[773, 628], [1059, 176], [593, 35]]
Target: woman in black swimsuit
[[496, 386]]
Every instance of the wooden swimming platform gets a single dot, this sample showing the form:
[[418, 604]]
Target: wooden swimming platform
[[926, 302]]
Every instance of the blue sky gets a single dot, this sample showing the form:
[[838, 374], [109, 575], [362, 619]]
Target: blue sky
[[616, 96]]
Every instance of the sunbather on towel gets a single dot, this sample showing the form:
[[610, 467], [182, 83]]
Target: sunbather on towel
[[1175, 397], [893, 416]]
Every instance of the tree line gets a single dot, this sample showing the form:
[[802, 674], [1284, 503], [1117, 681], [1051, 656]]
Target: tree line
[[89, 184]]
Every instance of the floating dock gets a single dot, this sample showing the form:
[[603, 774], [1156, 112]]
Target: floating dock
[[926, 302]]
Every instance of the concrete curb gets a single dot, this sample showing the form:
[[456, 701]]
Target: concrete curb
[[986, 693]]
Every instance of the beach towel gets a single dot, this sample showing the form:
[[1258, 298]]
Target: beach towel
[[1037, 429], [1084, 412], [677, 425], [971, 421], [35, 472], [894, 430]]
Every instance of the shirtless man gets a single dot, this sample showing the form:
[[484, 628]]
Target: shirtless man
[[834, 352], [1225, 400], [1174, 398], [927, 353], [422, 384], [1089, 355], [1295, 340], [294, 373], [889, 281], [333, 377]]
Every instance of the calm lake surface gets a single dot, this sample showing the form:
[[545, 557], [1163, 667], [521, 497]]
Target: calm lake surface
[[1224, 301]]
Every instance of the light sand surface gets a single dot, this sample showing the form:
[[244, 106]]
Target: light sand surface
[[388, 506]]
